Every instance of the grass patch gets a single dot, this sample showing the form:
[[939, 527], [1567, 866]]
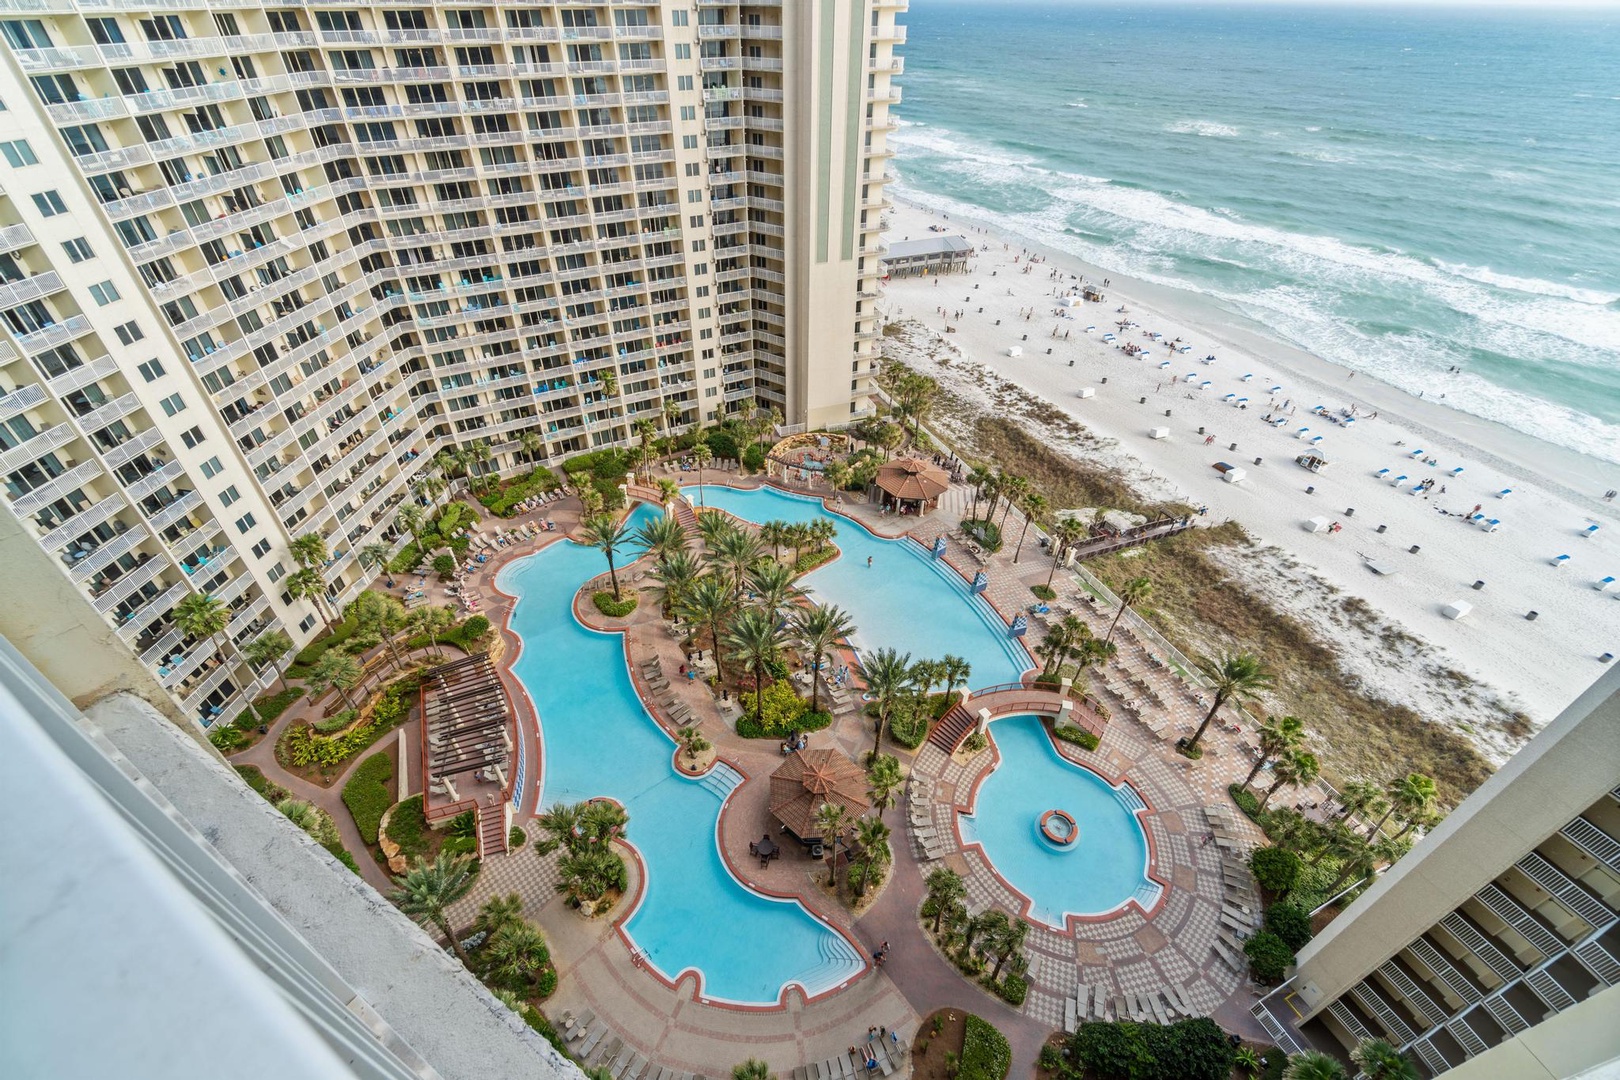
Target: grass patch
[[1043, 592], [407, 827], [269, 708], [502, 501], [986, 1054], [613, 609], [987, 533], [468, 636], [368, 794], [311, 653], [267, 788]]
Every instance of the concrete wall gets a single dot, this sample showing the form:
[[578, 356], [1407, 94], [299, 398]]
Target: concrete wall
[[1582, 1043], [1559, 773]]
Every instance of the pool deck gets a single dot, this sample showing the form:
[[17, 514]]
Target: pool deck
[[1129, 952]]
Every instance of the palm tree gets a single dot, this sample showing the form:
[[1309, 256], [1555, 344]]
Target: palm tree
[[431, 621], [1034, 507], [1412, 795], [978, 477], [662, 537], [376, 556], [1131, 593], [713, 528], [668, 491], [561, 824], [1355, 863], [817, 629], [1007, 944], [830, 823], [532, 444], [1381, 1061], [947, 890], [888, 677], [992, 488], [427, 890], [413, 520], [1234, 678], [675, 577], [609, 536], [755, 640], [838, 475], [334, 670], [1067, 533], [200, 616], [985, 925], [772, 585], [498, 913], [1014, 488], [736, 555], [308, 584], [1277, 737], [310, 550], [1362, 797], [430, 488], [883, 781], [752, 1069], [380, 617], [268, 649], [588, 874], [953, 670], [702, 455], [516, 956], [873, 837], [478, 453], [710, 603], [774, 533], [692, 741], [1296, 768], [1314, 1065]]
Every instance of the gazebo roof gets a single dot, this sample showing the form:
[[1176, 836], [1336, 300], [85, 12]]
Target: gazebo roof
[[809, 778], [912, 478]]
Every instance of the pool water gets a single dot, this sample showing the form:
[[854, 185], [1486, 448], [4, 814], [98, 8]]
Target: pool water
[[906, 600], [597, 739], [1098, 873]]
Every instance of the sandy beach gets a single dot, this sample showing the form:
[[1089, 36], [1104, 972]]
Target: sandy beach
[[1531, 665]]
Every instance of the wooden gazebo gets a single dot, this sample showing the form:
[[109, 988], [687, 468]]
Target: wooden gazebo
[[806, 781], [911, 485]]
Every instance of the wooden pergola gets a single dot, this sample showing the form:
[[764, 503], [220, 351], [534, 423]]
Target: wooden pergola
[[466, 721]]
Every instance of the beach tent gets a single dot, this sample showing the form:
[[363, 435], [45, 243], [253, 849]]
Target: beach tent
[[1456, 609], [1317, 524], [1015, 350], [1230, 473], [1087, 391], [1158, 433]]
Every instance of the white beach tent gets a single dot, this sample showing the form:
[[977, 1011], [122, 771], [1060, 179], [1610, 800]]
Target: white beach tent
[[1456, 609], [1317, 524]]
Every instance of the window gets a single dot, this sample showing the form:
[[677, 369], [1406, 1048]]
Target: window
[[172, 405], [677, 18], [688, 142], [211, 468], [694, 196], [275, 572], [229, 495], [78, 249], [18, 153], [245, 522], [50, 204], [105, 293], [688, 112], [683, 82], [695, 221], [261, 549], [151, 371], [694, 168], [129, 333], [308, 621], [192, 438], [683, 52]]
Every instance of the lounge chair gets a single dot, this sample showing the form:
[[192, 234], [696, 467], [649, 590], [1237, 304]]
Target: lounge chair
[[592, 1040]]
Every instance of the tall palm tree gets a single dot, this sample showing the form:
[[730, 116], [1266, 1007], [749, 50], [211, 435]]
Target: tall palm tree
[[887, 675], [308, 584], [609, 536], [426, 891], [830, 824], [1233, 678], [309, 550], [478, 453], [755, 640], [1296, 769], [668, 491], [382, 617], [587, 874], [978, 477], [268, 649], [1277, 737], [736, 555], [713, 528], [883, 780], [1314, 1065], [1381, 1061], [1007, 944], [774, 533], [532, 444], [431, 621], [413, 520], [817, 630], [376, 556], [561, 824], [334, 670], [201, 617], [430, 487], [702, 455], [772, 585], [873, 837], [838, 475], [1356, 863], [710, 602], [1131, 593], [1068, 533], [498, 913], [675, 576], [515, 956], [1034, 506], [953, 670], [947, 890], [1014, 488], [992, 488], [662, 537], [1362, 797], [1412, 796]]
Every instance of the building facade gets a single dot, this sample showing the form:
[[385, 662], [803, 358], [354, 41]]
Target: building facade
[[1504, 919], [261, 263]]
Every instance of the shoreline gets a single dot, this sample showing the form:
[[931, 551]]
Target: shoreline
[[1574, 476]]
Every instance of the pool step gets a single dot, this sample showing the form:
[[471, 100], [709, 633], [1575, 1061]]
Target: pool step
[[1129, 798], [839, 961], [722, 779], [1147, 894]]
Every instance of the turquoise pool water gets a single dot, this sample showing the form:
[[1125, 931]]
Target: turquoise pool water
[[1102, 870], [597, 739], [906, 600]]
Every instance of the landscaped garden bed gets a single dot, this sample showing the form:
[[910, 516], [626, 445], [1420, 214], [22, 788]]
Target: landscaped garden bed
[[321, 759], [952, 1044]]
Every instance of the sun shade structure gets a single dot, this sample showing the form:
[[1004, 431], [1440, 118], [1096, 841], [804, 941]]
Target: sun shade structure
[[465, 717], [912, 483], [810, 778]]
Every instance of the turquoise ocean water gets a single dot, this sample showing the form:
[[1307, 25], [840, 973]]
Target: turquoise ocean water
[[1397, 190]]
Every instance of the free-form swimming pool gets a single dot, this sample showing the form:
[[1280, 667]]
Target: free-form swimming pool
[[905, 600], [1105, 867]]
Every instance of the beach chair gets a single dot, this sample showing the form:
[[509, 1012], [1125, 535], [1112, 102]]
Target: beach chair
[[633, 1067], [592, 1040], [1397, 481], [1504, 493], [1560, 561], [1590, 531], [1605, 584], [1185, 1001]]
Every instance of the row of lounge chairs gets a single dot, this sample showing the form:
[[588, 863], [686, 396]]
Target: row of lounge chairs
[[1162, 1006], [652, 673], [1240, 902], [889, 1053], [934, 842]]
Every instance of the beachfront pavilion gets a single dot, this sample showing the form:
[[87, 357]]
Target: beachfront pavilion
[[930, 255], [811, 779], [910, 485]]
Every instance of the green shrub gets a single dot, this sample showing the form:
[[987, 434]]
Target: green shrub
[[516, 838], [603, 470], [407, 827], [336, 722], [474, 628], [809, 560], [1310, 890], [1043, 592], [1291, 923], [268, 708], [1246, 800], [781, 712], [1275, 868], [1197, 1050], [537, 1020], [309, 654], [1013, 990], [341, 854], [226, 737], [909, 720], [986, 1054], [444, 565], [548, 982], [254, 777], [1078, 735], [721, 443], [1269, 956], [1050, 1058], [300, 746], [503, 501], [614, 609], [408, 559], [987, 533], [753, 458], [460, 845], [1112, 1051], [368, 793]]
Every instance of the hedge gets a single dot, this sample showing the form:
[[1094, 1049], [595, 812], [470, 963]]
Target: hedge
[[1269, 956], [309, 654], [269, 708], [986, 1054], [613, 609], [254, 777], [1013, 989], [1291, 923], [407, 827], [784, 712], [1276, 869], [753, 458], [368, 794], [503, 501], [1246, 800], [1082, 738]]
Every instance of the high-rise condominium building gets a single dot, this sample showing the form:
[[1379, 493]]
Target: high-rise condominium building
[[1493, 949], [262, 262]]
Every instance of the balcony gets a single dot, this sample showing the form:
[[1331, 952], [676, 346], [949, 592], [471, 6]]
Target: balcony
[[55, 334], [153, 480], [82, 522], [182, 505], [93, 561], [49, 438], [13, 237], [49, 493], [30, 288]]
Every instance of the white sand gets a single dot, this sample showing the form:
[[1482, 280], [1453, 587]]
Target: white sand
[[1534, 666]]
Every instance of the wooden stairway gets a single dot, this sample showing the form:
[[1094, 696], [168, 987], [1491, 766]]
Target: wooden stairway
[[492, 829], [949, 732]]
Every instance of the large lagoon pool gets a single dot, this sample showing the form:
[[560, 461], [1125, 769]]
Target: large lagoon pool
[[906, 600], [1104, 868]]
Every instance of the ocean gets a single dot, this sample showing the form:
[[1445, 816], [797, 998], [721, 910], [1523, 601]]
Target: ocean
[[1399, 191]]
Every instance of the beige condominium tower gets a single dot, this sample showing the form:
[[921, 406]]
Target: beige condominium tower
[[259, 263], [1492, 950]]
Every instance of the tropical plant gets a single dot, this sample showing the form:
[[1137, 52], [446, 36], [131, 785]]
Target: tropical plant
[[610, 537], [752, 1069], [663, 537], [308, 584], [1013, 488], [376, 556], [755, 641], [830, 824], [1291, 923], [774, 533], [561, 824], [498, 913], [712, 528], [1355, 863], [1378, 1060], [772, 585], [702, 455], [1248, 1059], [426, 891], [888, 678], [1414, 798], [983, 927], [735, 555], [1314, 1065], [267, 649], [946, 891], [1269, 956], [586, 876], [692, 741], [1280, 736], [380, 617], [1362, 797], [817, 629], [675, 577], [1034, 506], [515, 956], [668, 490], [1131, 593], [1297, 768], [309, 550], [431, 621], [532, 445], [313, 820], [872, 836], [1067, 533], [883, 780], [430, 488], [953, 671], [334, 670], [1275, 868], [710, 602], [1238, 677]]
